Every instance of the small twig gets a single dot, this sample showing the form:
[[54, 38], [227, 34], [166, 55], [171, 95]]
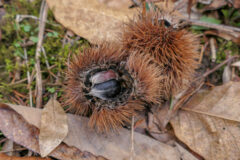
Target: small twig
[[45, 56], [218, 66], [17, 71], [28, 77], [18, 82], [19, 94], [200, 81], [21, 17], [33, 76], [203, 51], [189, 93], [219, 27], [43, 17], [15, 100], [20, 100], [192, 90], [27, 44], [47, 63], [132, 153]]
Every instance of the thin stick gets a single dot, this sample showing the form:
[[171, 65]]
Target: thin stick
[[219, 27], [218, 66], [45, 56], [18, 82], [43, 17], [21, 17], [132, 140], [200, 82], [28, 77], [46, 61]]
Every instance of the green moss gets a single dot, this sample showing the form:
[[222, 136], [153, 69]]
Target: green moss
[[226, 47], [14, 35]]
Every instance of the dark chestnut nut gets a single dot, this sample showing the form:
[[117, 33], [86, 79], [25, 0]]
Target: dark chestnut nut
[[103, 76], [111, 86], [164, 22], [106, 90]]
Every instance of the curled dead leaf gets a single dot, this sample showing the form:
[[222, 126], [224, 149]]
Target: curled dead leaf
[[54, 127], [113, 145], [209, 123], [16, 128]]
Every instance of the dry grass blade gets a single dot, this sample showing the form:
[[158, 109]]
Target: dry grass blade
[[28, 78], [43, 17]]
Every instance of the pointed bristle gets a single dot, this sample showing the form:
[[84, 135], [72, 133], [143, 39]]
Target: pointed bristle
[[148, 76], [176, 50], [106, 119], [91, 57], [138, 76]]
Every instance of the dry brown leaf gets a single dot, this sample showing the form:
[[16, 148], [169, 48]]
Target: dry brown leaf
[[16, 128], [113, 145], [91, 19], [209, 123], [117, 145], [54, 127], [6, 157]]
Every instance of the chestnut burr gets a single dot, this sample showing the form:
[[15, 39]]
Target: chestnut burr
[[111, 86], [176, 50]]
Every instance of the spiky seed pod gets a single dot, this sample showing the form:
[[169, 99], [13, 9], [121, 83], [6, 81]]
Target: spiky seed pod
[[158, 35], [112, 87]]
